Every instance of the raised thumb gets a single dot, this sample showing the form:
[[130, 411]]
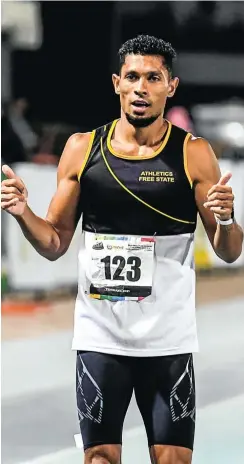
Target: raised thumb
[[225, 178], [9, 173]]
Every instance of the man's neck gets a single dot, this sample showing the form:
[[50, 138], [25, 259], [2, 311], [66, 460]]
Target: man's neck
[[141, 136]]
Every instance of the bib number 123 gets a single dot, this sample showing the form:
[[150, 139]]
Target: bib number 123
[[133, 274]]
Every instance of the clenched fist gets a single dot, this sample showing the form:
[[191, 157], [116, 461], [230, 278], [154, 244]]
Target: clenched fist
[[14, 193], [220, 198]]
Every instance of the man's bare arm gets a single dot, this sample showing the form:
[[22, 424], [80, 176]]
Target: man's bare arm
[[51, 236], [213, 196]]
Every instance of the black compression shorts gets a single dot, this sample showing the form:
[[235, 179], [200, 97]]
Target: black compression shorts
[[164, 389]]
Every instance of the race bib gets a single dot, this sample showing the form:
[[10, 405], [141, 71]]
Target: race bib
[[121, 267]]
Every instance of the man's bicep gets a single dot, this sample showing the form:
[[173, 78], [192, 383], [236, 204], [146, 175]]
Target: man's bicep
[[63, 207], [205, 173]]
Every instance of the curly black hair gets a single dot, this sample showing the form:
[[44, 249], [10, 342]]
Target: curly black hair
[[148, 45]]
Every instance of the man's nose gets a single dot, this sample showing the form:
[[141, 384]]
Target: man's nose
[[141, 88]]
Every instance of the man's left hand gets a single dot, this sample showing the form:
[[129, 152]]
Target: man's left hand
[[220, 198]]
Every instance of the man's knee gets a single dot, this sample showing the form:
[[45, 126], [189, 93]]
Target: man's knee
[[165, 454], [103, 454]]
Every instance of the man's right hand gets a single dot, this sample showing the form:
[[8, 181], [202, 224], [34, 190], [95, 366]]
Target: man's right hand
[[14, 193]]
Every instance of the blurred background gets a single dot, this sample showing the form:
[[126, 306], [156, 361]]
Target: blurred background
[[57, 61]]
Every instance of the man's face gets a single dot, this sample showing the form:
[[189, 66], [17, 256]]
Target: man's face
[[144, 85]]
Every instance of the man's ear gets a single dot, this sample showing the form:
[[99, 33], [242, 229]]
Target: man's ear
[[116, 82], [173, 84]]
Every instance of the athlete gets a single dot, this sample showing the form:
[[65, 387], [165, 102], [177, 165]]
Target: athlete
[[139, 183]]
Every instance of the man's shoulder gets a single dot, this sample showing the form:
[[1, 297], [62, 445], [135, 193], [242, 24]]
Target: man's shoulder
[[78, 139], [74, 153], [201, 158], [198, 144]]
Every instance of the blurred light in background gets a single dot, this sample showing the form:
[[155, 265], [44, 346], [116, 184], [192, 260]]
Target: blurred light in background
[[23, 21], [235, 132]]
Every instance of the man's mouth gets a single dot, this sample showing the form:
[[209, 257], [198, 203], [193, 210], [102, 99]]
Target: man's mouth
[[140, 104]]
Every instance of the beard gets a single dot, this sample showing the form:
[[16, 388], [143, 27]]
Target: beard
[[141, 122]]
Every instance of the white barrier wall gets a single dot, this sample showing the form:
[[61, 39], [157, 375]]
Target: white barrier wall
[[28, 270]]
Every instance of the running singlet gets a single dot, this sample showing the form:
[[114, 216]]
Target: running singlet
[[136, 283]]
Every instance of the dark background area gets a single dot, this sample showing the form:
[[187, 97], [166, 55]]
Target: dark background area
[[69, 78]]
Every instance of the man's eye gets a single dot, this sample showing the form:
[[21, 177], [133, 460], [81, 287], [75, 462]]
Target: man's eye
[[131, 77], [154, 78]]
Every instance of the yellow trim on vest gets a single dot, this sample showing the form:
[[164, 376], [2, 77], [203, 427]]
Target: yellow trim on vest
[[135, 196], [104, 127], [136, 157], [185, 159], [88, 151]]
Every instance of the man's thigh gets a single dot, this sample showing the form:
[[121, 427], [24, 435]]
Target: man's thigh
[[103, 389], [165, 394]]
